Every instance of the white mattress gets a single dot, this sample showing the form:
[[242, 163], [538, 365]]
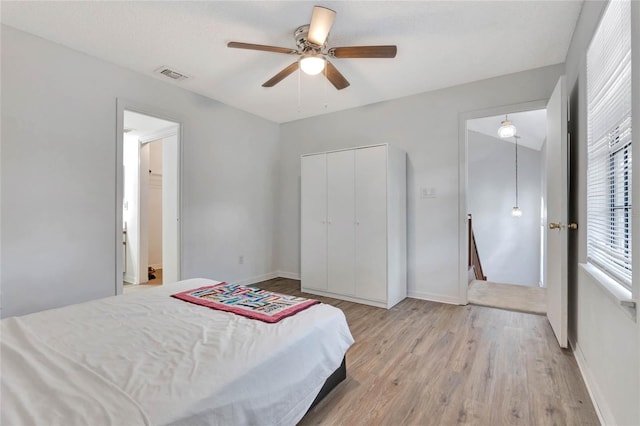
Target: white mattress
[[147, 358]]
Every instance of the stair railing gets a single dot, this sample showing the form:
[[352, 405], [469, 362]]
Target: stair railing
[[474, 257]]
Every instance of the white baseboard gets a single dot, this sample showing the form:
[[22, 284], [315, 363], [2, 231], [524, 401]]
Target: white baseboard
[[452, 300], [602, 410], [156, 266], [256, 279], [129, 279], [290, 275], [267, 276], [347, 298]]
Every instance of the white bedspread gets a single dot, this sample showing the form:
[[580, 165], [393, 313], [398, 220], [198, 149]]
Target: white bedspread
[[147, 358]]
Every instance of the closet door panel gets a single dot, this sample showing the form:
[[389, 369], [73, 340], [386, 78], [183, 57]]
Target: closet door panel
[[314, 222], [371, 223], [340, 219]]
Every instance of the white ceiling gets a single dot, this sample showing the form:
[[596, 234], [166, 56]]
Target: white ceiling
[[141, 124], [531, 127], [440, 44]]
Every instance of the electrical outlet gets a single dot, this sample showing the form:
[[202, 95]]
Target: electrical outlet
[[241, 260], [428, 192]]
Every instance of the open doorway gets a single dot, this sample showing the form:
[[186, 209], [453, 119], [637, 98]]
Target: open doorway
[[506, 193], [150, 201]]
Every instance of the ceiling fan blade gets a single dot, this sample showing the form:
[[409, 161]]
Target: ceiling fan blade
[[335, 77], [321, 22], [281, 75], [364, 52], [251, 46]]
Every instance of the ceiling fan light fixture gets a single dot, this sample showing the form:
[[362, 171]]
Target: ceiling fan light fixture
[[506, 130], [312, 52], [312, 64]]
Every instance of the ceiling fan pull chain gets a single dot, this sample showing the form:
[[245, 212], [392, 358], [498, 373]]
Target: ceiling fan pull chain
[[324, 89]]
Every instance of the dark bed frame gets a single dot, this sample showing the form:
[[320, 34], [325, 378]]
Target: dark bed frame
[[334, 379]]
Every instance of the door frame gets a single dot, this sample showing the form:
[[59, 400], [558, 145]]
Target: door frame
[[123, 104], [463, 239]]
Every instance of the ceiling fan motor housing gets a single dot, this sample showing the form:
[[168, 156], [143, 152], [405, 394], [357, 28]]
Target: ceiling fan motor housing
[[300, 34]]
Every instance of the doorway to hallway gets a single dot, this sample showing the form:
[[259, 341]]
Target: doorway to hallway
[[506, 202], [150, 200]]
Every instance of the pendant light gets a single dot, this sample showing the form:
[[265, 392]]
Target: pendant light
[[506, 130], [516, 212]]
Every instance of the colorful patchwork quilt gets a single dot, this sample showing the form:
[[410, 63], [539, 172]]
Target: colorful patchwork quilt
[[250, 302]]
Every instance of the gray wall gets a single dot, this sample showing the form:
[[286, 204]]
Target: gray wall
[[509, 247], [59, 177], [605, 335], [58, 187], [426, 127]]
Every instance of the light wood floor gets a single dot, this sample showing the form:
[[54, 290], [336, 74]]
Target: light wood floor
[[426, 363], [508, 296]]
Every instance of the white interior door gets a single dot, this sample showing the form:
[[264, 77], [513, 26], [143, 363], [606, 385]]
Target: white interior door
[[314, 222], [371, 223], [340, 222], [556, 215]]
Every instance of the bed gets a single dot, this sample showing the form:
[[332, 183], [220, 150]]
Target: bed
[[148, 358]]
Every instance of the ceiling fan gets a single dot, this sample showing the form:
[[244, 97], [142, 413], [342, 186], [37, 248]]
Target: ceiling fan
[[312, 50]]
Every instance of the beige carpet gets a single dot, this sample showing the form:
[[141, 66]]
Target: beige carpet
[[153, 283], [508, 296]]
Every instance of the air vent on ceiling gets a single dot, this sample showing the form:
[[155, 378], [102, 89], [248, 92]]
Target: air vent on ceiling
[[172, 74]]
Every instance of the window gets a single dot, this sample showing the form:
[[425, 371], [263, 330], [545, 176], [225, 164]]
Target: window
[[609, 159]]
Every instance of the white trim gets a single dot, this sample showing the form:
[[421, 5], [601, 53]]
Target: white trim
[[289, 275], [347, 298], [119, 200], [268, 276], [440, 298], [463, 243], [605, 416], [156, 266], [256, 279], [614, 290]]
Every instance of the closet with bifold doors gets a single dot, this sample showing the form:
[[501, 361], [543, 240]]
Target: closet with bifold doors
[[353, 225]]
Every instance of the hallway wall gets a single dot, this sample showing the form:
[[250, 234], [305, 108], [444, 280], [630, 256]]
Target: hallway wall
[[509, 247]]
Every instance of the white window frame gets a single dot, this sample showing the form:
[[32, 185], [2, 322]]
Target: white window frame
[[609, 160]]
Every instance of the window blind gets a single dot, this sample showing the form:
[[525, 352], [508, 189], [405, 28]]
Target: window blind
[[609, 144]]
